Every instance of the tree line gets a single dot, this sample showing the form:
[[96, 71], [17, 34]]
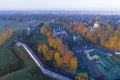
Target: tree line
[[105, 35], [56, 51], [5, 36]]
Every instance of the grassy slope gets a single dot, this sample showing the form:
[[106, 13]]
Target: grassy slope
[[4, 52], [4, 57], [28, 62], [25, 72], [18, 75]]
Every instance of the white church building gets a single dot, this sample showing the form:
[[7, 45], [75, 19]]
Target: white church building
[[96, 25]]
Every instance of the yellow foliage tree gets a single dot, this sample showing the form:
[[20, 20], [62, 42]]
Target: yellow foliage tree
[[73, 63], [43, 30], [58, 59], [40, 48], [5, 35], [82, 76], [44, 48], [67, 58]]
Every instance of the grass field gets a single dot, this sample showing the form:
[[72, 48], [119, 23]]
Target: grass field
[[4, 57], [26, 74], [4, 25], [29, 71], [17, 75], [21, 74], [4, 52]]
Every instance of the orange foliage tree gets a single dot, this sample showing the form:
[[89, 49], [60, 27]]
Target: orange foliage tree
[[73, 63], [63, 58], [81, 29]]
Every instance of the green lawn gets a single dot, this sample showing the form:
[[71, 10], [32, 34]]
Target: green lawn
[[4, 52], [4, 57], [28, 73], [17, 75]]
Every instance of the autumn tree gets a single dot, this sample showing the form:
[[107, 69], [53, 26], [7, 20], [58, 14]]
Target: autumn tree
[[63, 57], [44, 50], [100, 35], [5, 36], [43, 30], [114, 42], [51, 42], [50, 34], [82, 76], [58, 59], [60, 47], [55, 43], [40, 49], [67, 58], [81, 29], [74, 63]]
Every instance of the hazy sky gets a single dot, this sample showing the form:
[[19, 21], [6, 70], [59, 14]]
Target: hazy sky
[[59, 4]]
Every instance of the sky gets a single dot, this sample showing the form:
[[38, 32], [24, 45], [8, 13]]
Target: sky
[[60, 5]]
